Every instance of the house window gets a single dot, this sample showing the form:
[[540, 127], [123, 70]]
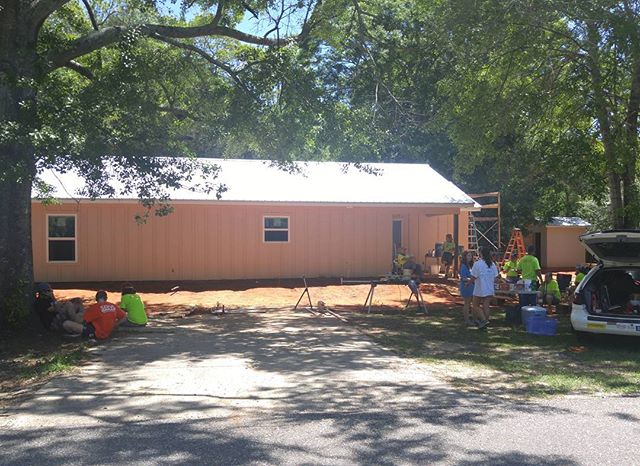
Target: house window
[[276, 229], [61, 238]]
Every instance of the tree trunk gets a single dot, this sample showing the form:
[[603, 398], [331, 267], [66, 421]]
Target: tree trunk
[[17, 161], [617, 207], [630, 179]]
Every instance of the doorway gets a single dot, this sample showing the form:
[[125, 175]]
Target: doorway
[[538, 245], [396, 235]]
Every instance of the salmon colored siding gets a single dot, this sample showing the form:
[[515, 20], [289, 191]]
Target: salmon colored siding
[[202, 241]]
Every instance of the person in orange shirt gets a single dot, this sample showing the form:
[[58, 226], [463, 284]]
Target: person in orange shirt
[[99, 319]]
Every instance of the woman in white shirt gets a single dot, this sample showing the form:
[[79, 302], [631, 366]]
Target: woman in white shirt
[[483, 276]]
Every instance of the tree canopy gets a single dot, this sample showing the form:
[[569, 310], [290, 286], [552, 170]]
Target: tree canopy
[[536, 99]]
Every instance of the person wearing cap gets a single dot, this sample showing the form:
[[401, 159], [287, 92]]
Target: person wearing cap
[[99, 319], [510, 268], [44, 305]]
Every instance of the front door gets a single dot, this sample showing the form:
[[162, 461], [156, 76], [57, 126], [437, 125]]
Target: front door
[[396, 234]]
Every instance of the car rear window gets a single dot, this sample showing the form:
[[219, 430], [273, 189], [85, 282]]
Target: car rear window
[[624, 250]]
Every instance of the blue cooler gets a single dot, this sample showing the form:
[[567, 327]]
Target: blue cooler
[[539, 325], [530, 311]]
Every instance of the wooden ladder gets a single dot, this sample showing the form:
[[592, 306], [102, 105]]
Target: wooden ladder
[[516, 244]]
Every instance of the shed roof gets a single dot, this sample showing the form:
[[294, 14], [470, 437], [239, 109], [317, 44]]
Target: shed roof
[[568, 222], [317, 182]]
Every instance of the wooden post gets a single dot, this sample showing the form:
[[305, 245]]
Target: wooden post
[[456, 238]]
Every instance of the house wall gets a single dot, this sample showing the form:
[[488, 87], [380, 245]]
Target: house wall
[[563, 248], [204, 241]]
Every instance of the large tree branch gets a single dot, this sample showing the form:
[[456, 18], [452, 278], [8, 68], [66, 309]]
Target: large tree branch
[[223, 66], [41, 9], [98, 39], [81, 70], [92, 17]]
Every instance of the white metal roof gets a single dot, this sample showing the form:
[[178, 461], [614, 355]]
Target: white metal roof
[[568, 222], [318, 182]]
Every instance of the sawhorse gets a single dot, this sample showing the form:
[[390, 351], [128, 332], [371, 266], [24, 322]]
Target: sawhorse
[[306, 291]]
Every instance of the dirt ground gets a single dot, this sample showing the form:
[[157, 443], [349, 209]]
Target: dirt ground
[[159, 299]]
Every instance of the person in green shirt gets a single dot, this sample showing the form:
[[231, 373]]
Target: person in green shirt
[[550, 290], [580, 274], [511, 268], [529, 267], [133, 306], [448, 252]]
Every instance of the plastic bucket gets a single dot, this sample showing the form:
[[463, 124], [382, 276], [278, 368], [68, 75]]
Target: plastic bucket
[[406, 273], [434, 269]]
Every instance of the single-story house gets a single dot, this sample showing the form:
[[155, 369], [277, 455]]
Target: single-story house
[[557, 242], [330, 220]]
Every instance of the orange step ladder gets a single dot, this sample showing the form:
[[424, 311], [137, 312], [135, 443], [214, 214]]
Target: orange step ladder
[[516, 244]]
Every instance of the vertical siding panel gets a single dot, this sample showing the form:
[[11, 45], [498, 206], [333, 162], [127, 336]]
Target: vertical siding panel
[[212, 240], [38, 241]]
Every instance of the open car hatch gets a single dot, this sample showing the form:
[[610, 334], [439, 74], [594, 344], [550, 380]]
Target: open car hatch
[[615, 247]]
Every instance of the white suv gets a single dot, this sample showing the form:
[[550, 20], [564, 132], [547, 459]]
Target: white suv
[[608, 298]]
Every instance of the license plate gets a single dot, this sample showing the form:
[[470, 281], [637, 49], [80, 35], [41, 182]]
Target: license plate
[[637, 328], [627, 326], [591, 325]]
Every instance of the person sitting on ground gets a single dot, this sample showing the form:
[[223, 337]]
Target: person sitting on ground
[[549, 291], [44, 305], [529, 266], [448, 251], [131, 303], [99, 319], [72, 310], [510, 268]]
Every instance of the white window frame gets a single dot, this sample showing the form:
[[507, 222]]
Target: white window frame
[[265, 229], [75, 237]]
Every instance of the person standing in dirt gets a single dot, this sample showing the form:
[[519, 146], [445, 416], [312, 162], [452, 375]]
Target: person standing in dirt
[[466, 286], [529, 266], [483, 275], [448, 251], [510, 268], [99, 319], [131, 303]]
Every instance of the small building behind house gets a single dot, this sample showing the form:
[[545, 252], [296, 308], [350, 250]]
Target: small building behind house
[[557, 242]]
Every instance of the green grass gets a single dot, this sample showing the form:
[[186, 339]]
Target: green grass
[[509, 360], [60, 361]]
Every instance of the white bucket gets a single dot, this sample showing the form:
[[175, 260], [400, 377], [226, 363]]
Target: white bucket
[[435, 269], [407, 273]]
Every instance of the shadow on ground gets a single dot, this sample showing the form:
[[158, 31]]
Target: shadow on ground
[[277, 388]]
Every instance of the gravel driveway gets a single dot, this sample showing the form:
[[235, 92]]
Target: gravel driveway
[[293, 388]]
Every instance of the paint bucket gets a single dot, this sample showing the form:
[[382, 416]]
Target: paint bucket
[[435, 269], [406, 273]]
